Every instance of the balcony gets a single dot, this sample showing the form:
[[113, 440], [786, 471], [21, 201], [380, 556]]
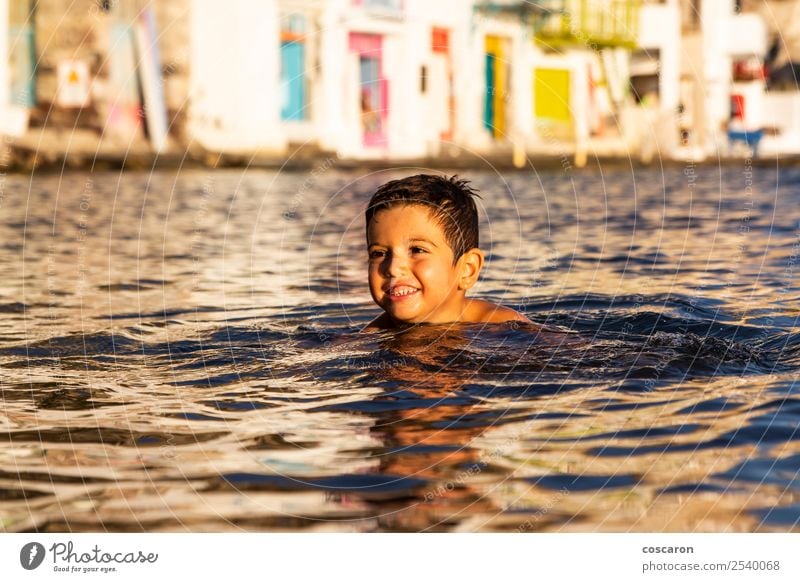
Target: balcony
[[594, 24]]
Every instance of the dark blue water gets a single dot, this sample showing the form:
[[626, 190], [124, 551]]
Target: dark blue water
[[180, 351]]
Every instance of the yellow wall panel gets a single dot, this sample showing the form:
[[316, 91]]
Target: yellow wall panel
[[551, 90]]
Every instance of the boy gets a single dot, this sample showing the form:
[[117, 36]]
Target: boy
[[422, 237]]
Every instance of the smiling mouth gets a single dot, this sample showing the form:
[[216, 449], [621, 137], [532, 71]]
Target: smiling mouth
[[401, 291]]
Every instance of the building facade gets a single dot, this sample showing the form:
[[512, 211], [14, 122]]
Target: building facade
[[389, 79]]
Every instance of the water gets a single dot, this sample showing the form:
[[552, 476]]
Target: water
[[180, 352]]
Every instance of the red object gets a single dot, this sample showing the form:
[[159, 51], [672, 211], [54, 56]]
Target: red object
[[440, 40], [749, 70], [737, 107]]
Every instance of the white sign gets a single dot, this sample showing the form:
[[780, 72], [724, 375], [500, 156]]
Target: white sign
[[73, 84]]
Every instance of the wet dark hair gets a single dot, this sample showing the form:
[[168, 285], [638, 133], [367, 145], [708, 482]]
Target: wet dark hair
[[450, 200]]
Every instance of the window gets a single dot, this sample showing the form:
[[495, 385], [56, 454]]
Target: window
[[389, 8]]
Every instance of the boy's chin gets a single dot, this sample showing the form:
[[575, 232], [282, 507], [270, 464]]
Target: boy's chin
[[405, 320], [408, 321], [408, 315], [401, 318]]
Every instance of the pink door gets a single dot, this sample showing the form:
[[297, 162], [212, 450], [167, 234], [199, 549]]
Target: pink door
[[373, 88]]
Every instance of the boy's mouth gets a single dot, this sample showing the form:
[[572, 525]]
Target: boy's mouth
[[401, 291]]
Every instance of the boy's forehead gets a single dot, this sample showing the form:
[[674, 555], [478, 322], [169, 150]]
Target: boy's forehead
[[422, 214], [404, 206], [417, 216]]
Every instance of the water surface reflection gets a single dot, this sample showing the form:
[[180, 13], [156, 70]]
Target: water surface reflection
[[181, 352]]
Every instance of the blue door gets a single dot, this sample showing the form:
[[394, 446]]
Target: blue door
[[293, 82], [21, 56]]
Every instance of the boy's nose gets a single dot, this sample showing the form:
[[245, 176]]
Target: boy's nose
[[396, 265]]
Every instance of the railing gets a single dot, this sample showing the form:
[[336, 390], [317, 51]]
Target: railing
[[590, 23]]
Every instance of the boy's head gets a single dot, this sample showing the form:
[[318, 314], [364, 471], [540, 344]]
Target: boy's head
[[450, 202], [422, 234]]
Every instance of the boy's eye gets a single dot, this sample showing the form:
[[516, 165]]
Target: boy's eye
[[416, 250], [376, 254]]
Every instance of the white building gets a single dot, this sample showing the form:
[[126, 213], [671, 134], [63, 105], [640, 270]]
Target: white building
[[366, 79], [579, 75], [406, 79], [234, 104], [655, 79], [369, 79], [395, 78], [781, 116], [722, 41]]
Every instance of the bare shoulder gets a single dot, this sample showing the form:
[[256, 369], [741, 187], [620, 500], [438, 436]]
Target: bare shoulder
[[480, 311], [383, 321]]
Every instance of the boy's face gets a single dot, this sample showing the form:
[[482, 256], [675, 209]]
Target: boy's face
[[411, 271]]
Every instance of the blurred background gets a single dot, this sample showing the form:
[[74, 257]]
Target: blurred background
[[270, 80]]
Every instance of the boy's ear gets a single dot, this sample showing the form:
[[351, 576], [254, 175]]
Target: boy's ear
[[470, 264]]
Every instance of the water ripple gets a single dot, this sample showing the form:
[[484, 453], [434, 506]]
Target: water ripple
[[172, 365]]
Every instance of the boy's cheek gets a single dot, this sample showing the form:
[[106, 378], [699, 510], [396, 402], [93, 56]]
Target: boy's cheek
[[374, 285], [375, 289]]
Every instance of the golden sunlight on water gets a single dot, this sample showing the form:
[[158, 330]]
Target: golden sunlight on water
[[181, 353]]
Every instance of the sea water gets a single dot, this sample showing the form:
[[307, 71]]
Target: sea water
[[180, 351]]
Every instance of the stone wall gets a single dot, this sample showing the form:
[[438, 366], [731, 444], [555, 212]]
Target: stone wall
[[82, 30], [66, 31]]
